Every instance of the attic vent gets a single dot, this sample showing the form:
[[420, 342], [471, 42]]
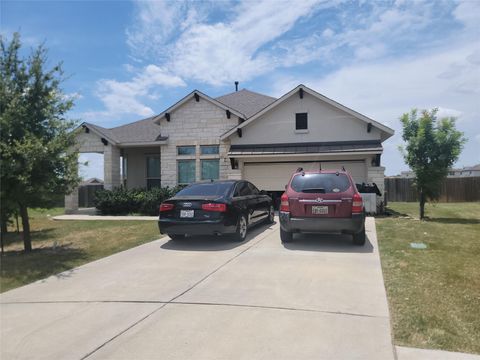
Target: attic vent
[[197, 97], [300, 92], [369, 127], [167, 116], [239, 132], [104, 141], [228, 114]]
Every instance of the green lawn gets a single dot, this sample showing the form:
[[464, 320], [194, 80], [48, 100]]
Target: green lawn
[[433, 294], [62, 245]]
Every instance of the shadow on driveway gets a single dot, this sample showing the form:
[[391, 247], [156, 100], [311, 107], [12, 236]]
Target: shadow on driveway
[[327, 243], [214, 242]]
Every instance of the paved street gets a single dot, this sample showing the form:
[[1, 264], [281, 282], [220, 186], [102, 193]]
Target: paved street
[[209, 298]]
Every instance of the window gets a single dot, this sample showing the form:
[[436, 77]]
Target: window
[[207, 189], [301, 121], [209, 149], [210, 169], [320, 183], [153, 171], [186, 171], [186, 150], [253, 189], [242, 189]]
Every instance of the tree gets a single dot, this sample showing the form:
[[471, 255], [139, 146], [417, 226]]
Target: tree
[[432, 147], [37, 145]]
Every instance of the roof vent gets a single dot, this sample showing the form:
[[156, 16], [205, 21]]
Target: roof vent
[[236, 85]]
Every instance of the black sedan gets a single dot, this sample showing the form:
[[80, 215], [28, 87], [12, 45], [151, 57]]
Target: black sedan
[[215, 208]]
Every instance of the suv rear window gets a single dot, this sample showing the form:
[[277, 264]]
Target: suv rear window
[[206, 189], [321, 183]]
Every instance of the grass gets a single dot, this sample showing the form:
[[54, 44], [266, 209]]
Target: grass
[[434, 294], [63, 245]]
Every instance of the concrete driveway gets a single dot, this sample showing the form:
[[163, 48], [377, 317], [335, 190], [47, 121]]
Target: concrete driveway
[[208, 298]]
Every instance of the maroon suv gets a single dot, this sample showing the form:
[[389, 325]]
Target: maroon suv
[[323, 201]]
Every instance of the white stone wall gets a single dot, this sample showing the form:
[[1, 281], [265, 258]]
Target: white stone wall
[[376, 174], [89, 142], [196, 123]]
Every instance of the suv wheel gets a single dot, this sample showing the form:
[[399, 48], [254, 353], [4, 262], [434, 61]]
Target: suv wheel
[[286, 236], [359, 238], [241, 232]]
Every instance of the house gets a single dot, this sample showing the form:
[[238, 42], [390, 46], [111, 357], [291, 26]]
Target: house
[[466, 171], [241, 135]]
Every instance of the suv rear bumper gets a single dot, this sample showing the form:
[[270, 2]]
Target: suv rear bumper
[[351, 225]]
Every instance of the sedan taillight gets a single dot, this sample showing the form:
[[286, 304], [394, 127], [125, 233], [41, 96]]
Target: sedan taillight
[[214, 207], [357, 204], [284, 205], [166, 207]]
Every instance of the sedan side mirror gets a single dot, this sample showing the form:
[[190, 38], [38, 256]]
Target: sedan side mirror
[[263, 192]]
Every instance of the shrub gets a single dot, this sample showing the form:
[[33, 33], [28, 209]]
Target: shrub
[[121, 201]]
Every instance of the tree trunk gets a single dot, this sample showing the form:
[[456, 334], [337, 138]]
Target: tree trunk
[[422, 205], [27, 241], [4, 228]]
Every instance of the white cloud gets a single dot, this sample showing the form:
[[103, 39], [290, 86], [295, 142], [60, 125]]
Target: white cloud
[[125, 97], [445, 112], [225, 51]]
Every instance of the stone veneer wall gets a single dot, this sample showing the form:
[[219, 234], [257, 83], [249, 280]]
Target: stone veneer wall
[[196, 123], [111, 167]]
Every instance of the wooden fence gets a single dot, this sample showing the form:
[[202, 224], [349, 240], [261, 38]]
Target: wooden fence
[[455, 189]]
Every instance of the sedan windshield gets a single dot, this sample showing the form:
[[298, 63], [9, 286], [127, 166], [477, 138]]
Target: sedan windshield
[[206, 189], [320, 183]]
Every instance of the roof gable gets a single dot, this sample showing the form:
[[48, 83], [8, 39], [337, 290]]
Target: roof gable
[[195, 93], [387, 132], [246, 101]]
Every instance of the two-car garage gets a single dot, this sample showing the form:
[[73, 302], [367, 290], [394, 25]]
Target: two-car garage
[[272, 176]]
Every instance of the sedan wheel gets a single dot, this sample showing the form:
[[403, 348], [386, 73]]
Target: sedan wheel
[[241, 232]]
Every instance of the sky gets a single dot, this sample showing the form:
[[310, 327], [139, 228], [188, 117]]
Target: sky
[[127, 60]]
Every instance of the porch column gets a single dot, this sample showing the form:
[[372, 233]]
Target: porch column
[[71, 202], [111, 167]]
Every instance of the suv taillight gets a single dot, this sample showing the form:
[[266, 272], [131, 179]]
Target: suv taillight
[[166, 207], [214, 207], [284, 206], [357, 204]]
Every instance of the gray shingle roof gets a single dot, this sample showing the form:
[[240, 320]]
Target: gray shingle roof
[[245, 101], [146, 130], [137, 132]]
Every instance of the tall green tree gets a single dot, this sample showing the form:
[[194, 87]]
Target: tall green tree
[[37, 145], [432, 147]]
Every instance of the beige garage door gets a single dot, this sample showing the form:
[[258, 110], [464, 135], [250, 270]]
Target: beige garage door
[[274, 176]]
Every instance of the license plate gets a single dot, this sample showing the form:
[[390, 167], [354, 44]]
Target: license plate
[[319, 210], [186, 213]]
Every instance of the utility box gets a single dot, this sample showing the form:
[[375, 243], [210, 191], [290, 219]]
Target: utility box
[[370, 202]]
